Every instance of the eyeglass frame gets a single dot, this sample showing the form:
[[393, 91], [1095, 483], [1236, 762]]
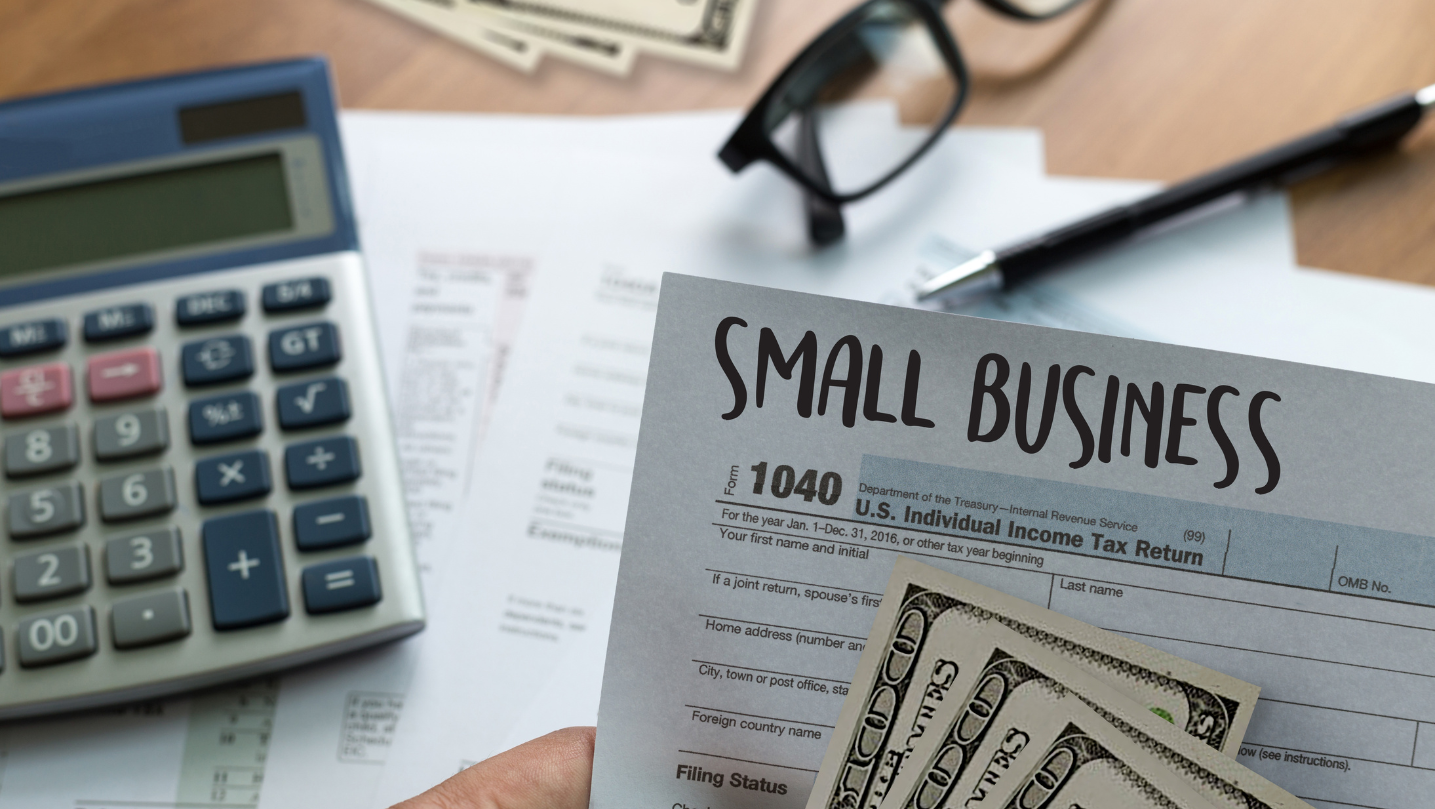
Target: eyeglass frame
[[752, 141]]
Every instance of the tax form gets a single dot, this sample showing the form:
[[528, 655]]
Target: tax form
[[1266, 519]]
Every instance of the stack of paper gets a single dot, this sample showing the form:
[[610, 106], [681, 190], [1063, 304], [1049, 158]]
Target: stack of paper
[[605, 36]]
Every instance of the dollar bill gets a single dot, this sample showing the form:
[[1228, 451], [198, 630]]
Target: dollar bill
[[514, 43], [437, 15], [1042, 747], [711, 33], [940, 765], [586, 49], [915, 660]]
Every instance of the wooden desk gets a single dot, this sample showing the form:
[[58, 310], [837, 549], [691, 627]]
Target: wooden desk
[[1156, 89]]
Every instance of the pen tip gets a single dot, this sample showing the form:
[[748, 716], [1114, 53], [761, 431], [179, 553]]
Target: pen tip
[[974, 276], [1426, 97]]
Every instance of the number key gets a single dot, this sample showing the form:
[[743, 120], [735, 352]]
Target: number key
[[137, 432], [55, 637], [37, 512], [137, 494], [41, 449], [140, 557], [52, 573]]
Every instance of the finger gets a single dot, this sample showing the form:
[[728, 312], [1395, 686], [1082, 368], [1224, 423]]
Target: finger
[[550, 772]]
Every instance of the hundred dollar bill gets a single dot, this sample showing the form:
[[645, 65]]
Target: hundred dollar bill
[[711, 33], [941, 763], [1049, 750], [914, 656]]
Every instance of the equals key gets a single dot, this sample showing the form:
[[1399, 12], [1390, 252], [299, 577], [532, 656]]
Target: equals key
[[331, 523]]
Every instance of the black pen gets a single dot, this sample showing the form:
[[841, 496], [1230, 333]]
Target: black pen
[[1377, 127]]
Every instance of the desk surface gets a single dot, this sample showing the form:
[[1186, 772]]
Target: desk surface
[[1153, 89]]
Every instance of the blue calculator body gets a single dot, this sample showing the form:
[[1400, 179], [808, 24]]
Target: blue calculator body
[[200, 480]]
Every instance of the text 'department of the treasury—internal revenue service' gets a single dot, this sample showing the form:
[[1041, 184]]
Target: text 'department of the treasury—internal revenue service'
[[1269, 520]]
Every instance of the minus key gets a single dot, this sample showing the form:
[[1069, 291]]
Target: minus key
[[331, 523]]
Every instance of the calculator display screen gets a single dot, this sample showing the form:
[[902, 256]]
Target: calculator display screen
[[171, 209]]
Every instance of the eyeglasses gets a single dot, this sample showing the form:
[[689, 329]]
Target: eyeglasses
[[879, 49]]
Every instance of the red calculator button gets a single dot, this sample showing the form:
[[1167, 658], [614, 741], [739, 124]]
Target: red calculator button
[[124, 374], [35, 389]]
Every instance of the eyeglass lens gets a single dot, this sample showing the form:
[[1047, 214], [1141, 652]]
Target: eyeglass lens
[[887, 55]]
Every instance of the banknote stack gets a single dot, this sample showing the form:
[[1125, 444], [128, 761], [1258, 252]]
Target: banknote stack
[[604, 35], [966, 697]]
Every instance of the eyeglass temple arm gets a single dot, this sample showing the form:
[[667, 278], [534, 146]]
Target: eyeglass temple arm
[[825, 224]]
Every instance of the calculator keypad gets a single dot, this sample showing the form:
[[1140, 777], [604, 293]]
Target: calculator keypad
[[150, 618], [203, 308], [141, 557], [131, 434], [300, 293], [52, 573], [124, 375], [233, 477], [321, 463], [131, 495], [245, 570], [331, 523], [36, 389], [114, 322], [218, 359], [259, 542], [46, 510], [314, 345], [225, 418], [55, 637], [34, 336], [345, 584], [313, 403], [39, 450]]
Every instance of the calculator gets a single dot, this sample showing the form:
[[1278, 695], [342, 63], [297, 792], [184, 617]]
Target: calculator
[[200, 480]]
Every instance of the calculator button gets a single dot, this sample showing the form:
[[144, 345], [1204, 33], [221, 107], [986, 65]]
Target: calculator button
[[321, 463], [309, 346], [150, 618], [55, 637], [52, 573], [33, 336], [245, 570], [41, 449], [140, 557], [225, 418], [310, 404], [220, 359], [227, 478], [114, 322], [36, 389], [47, 510], [219, 306], [137, 494], [331, 523], [124, 374], [341, 585], [301, 293], [138, 432]]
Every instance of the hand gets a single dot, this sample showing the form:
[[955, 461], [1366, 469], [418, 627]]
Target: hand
[[551, 772]]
